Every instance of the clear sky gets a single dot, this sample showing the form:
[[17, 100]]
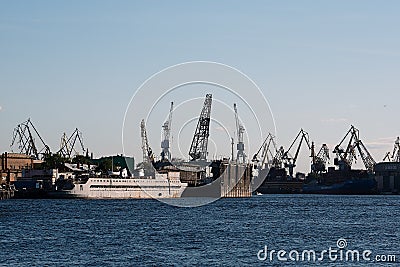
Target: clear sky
[[322, 65]]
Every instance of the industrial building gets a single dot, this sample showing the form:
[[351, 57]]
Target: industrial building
[[12, 165]]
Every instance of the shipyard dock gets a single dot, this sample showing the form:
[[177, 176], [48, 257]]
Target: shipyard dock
[[35, 171]]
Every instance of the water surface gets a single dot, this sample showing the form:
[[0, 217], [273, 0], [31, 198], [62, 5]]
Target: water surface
[[228, 232]]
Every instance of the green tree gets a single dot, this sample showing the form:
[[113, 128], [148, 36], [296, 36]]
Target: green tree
[[104, 165], [53, 161], [81, 159]]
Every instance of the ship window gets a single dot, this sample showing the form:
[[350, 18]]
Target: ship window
[[159, 194]]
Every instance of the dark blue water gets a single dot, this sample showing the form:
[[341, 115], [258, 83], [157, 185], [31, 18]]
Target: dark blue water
[[229, 232]]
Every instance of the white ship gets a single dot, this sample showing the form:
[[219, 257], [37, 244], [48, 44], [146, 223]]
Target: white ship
[[160, 186]]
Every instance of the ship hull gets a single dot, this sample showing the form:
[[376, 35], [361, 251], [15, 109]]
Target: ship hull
[[276, 181], [118, 188], [348, 187], [280, 187]]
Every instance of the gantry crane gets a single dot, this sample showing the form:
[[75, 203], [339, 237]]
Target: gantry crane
[[198, 148], [395, 157], [345, 157], [165, 143], [24, 138], [290, 161], [241, 156], [67, 145]]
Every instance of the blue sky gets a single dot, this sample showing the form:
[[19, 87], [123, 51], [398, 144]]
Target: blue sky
[[322, 65]]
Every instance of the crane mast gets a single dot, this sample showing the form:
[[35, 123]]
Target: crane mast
[[198, 148], [241, 156], [165, 143]]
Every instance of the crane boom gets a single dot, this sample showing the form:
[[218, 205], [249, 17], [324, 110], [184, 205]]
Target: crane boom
[[395, 155], [267, 153], [67, 145], [198, 148], [396, 151], [23, 135], [147, 152], [290, 162], [366, 157]]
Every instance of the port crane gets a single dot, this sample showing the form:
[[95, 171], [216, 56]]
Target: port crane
[[198, 148], [345, 157], [165, 143], [148, 156], [290, 161], [319, 161], [395, 157], [241, 156], [24, 137], [67, 146], [277, 161], [267, 153]]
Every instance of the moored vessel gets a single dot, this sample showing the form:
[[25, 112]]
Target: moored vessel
[[166, 185], [348, 185]]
